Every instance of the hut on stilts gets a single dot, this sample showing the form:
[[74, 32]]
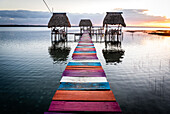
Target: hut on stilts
[[113, 23], [85, 24], [58, 24]]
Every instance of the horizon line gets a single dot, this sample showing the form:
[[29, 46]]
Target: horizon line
[[18, 25]]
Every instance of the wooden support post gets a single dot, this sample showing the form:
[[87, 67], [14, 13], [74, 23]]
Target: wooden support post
[[117, 36], [74, 37], [90, 31], [66, 34], [51, 35], [96, 37], [55, 37], [109, 36]]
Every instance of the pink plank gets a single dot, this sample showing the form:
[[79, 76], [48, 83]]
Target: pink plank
[[84, 106], [58, 113]]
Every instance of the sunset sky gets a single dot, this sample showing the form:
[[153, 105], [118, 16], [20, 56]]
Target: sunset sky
[[135, 12]]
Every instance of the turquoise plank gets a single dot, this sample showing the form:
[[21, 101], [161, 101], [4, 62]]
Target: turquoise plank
[[85, 47], [84, 51], [84, 86], [84, 64]]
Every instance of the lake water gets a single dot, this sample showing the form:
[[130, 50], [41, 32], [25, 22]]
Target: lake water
[[30, 70]]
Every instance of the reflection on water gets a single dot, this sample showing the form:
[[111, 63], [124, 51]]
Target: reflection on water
[[29, 79], [59, 52], [113, 52]]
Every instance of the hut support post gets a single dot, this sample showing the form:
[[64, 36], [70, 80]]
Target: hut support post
[[55, 37], [66, 34], [106, 32], [51, 36]]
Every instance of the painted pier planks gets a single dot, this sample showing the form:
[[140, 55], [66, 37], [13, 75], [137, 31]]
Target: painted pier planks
[[84, 106], [83, 79], [84, 86], [66, 95]]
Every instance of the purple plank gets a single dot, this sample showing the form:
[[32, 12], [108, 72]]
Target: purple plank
[[84, 57], [88, 74], [84, 106]]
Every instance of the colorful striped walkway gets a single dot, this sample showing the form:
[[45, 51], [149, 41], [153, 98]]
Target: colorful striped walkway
[[83, 86]]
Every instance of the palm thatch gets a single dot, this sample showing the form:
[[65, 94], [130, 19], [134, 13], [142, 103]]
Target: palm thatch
[[114, 18], [59, 20], [85, 22]]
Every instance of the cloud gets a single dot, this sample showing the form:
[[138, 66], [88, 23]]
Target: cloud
[[139, 16], [23, 14], [97, 19], [131, 16], [23, 17]]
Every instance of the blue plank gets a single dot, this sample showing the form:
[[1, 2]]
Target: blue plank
[[84, 86], [85, 47], [84, 64], [84, 51]]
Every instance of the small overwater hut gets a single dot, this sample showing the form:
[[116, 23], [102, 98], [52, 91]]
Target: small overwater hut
[[58, 24], [85, 24], [113, 23]]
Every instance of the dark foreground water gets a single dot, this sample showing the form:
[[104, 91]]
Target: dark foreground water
[[30, 71]]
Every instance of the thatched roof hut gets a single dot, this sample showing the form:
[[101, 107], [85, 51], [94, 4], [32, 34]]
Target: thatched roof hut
[[59, 20], [114, 18], [85, 23]]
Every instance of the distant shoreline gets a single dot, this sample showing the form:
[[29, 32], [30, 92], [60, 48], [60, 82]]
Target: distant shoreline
[[72, 26]]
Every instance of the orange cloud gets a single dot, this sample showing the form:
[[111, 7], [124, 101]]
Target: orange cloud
[[139, 17]]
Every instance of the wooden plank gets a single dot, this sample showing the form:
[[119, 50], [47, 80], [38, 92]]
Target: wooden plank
[[83, 75], [85, 70], [70, 106], [66, 95], [58, 113], [84, 57], [83, 79], [84, 52], [85, 47], [85, 60], [84, 64], [85, 43], [84, 86]]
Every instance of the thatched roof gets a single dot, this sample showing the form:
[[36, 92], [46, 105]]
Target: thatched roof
[[114, 18], [59, 20], [85, 22]]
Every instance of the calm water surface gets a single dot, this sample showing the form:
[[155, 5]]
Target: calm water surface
[[31, 68]]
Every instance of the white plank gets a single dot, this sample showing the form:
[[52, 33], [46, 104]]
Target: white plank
[[83, 79]]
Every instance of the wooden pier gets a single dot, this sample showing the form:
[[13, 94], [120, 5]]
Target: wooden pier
[[83, 86]]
